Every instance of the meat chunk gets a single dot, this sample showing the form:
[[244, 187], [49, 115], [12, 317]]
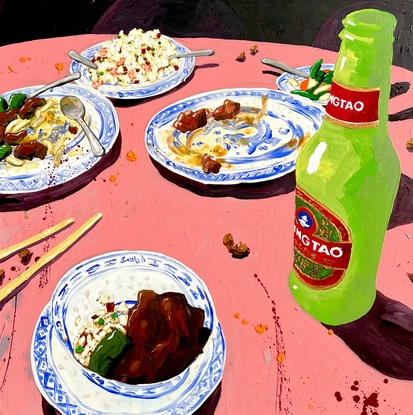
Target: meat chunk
[[190, 120], [209, 165], [228, 110], [27, 151], [28, 108]]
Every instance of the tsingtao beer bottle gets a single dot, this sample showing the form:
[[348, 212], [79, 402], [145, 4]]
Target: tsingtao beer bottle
[[347, 179]]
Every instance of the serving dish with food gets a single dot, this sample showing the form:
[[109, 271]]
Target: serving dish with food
[[128, 294], [41, 147], [136, 65], [316, 86], [233, 136]]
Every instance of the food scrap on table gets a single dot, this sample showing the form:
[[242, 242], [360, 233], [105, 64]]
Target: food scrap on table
[[131, 156], [25, 256], [59, 66], [281, 356], [254, 50], [241, 57], [330, 332], [239, 250], [409, 145], [11, 69]]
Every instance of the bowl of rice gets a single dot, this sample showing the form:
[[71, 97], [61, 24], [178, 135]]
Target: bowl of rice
[[135, 65], [93, 301]]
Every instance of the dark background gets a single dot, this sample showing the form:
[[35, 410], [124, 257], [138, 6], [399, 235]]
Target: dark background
[[284, 21], [300, 22]]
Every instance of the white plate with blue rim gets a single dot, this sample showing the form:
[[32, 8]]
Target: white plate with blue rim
[[60, 381], [250, 148], [121, 275], [282, 80], [136, 91], [77, 157]]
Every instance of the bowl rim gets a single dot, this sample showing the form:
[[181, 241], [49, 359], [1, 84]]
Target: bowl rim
[[63, 294]]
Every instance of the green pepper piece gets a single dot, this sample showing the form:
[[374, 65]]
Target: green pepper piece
[[5, 150], [328, 77], [305, 94], [3, 105], [106, 352], [17, 100], [315, 68], [319, 75]]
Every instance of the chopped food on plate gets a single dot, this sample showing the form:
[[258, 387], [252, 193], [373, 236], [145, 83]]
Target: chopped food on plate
[[154, 340], [317, 86], [32, 128], [139, 57]]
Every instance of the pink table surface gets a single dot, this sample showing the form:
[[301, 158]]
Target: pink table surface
[[296, 366]]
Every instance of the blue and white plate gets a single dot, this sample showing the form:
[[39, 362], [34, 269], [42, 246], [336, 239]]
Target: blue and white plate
[[249, 151], [60, 381], [282, 80], [78, 158], [136, 91]]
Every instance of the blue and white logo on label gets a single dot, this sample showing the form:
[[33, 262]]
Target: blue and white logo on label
[[305, 220]]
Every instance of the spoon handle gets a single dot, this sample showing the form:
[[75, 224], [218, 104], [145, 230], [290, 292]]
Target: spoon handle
[[81, 59], [284, 67], [95, 144], [206, 52], [62, 81]]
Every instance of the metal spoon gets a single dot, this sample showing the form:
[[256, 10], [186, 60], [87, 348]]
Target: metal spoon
[[73, 108], [69, 78], [81, 59], [206, 52], [284, 67]]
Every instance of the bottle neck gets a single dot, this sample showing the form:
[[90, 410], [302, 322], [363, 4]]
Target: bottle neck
[[361, 83]]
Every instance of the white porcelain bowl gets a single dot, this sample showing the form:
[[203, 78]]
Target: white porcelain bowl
[[121, 275]]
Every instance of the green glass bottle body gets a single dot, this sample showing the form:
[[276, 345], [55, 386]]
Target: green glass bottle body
[[347, 178]]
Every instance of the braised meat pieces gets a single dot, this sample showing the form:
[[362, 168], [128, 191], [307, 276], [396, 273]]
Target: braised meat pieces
[[166, 335]]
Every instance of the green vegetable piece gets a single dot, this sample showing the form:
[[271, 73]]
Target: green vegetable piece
[[328, 77], [3, 104], [319, 75], [79, 349], [5, 150], [114, 315], [101, 321], [107, 351], [16, 101], [315, 68]]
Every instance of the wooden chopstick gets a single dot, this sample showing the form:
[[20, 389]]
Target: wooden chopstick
[[49, 256], [34, 239]]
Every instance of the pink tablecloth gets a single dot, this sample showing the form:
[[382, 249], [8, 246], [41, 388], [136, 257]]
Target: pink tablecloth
[[296, 366]]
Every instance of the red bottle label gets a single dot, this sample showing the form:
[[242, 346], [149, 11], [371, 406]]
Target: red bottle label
[[353, 107], [322, 244]]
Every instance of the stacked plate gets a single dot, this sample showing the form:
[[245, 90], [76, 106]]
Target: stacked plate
[[73, 389]]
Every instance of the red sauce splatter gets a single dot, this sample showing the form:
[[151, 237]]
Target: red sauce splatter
[[338, 396]]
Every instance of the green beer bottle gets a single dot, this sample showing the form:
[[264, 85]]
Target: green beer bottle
[[347, 179]]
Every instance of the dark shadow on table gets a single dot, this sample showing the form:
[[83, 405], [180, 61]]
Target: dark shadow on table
[[260, 190], [26, 201]]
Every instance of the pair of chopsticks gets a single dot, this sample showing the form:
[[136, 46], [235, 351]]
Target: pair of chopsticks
[[46, 258]]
